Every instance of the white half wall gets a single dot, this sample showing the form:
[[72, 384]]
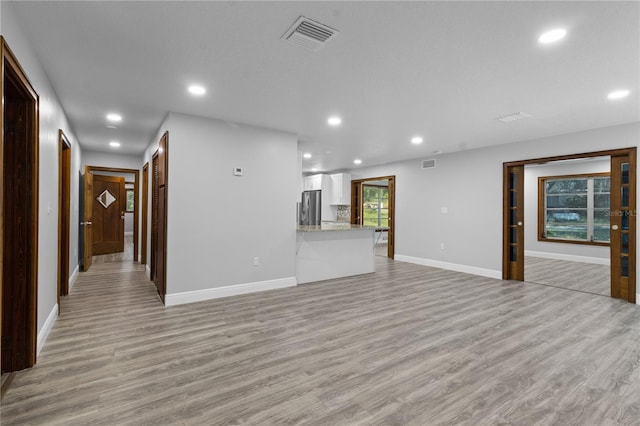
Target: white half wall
[[217, 222]]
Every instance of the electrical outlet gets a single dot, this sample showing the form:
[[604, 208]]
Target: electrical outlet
[[444, 210], [256, 261]]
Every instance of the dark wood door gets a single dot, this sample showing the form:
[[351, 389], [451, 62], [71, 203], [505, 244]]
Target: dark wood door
[[623, 226], [145, 213], [64, 196], [513, 223], [391, 246], [87, 223], [159, 217], [109, 201], [19, 215]]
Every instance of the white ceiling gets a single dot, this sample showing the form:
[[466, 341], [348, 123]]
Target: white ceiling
[[442, 70]]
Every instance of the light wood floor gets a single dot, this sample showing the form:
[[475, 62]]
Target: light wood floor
[[579, 276], [126, 255], [408, 345]]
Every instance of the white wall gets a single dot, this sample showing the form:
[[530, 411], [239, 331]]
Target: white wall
[[52, 118], [469, 185], [218, 222], [547, 249], [106, 159]]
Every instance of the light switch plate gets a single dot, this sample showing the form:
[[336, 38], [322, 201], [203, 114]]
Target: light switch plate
[[238, 171]]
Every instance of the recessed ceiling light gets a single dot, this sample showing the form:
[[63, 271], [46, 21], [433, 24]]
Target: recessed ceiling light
[[618, 94], [334, 121], [552, 36], [114, 118], [197, 90], [114, 144], [314, 170], [306, 155], [416, 140], [357, 161]]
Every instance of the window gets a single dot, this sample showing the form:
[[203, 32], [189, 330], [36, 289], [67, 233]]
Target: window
[[130, 200], [375, 205], [574, 208]]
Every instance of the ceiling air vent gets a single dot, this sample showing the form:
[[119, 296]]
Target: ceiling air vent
[[309, 34], [513, 117], [428, 164]]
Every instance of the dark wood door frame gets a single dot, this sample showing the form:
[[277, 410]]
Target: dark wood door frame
[[20, 295], [513, 265], [356, 207], [159, 216], [136, 201], [64, 212], [145, 213]]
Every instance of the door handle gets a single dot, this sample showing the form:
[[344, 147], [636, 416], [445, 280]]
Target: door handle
[[86, 223]]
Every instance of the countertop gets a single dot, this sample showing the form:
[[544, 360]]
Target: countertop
[[335, 227]]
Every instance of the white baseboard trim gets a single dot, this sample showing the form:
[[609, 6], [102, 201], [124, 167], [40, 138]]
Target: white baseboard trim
[[569, 257], [231, 290], [489, 273], [46, 328], [74, 275]]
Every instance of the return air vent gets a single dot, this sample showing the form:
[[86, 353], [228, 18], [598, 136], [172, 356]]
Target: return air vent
[[429, 164], [513, 117], [309, 34]]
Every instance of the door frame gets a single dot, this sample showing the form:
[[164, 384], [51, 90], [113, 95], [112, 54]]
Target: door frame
[[136, 201], [511, 271], [356, 207], [9, 66], [64, 213], [145, 213]]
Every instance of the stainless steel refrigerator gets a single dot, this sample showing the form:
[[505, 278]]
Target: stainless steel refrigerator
[[310, 208]]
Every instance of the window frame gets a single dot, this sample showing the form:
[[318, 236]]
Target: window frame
[[542, 210], [378, 209], [126, 199]]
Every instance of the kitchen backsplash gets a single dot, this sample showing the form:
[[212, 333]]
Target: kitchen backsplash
[[344, 214]]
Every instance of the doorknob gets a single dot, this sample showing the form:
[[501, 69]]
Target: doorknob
[[614, 227], [519, 223]]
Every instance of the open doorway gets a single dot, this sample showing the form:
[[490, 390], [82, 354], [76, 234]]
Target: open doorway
[[594, 209], [110, 215], [567, 235], [19, 218], [373, 204]]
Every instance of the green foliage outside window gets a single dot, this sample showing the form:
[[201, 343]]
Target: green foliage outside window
[[577, 208], [130, 199], [375, 205]]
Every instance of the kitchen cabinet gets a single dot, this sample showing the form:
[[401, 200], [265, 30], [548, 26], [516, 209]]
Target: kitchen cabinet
[[317, 183], [341, 189]]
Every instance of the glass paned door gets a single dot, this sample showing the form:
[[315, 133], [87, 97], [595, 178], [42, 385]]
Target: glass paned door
[[513, 233], [623, 220]]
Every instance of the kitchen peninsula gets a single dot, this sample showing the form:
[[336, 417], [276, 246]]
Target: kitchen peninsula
[[334, 250]]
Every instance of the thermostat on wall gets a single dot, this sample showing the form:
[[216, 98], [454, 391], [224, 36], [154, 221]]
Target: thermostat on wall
[[238, 171]]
